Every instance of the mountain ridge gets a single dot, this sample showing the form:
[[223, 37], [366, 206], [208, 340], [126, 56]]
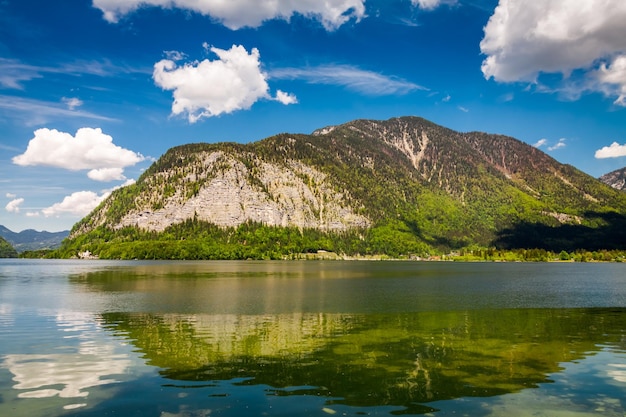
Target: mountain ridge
[[31, 239], [615, 179], [406, 176]]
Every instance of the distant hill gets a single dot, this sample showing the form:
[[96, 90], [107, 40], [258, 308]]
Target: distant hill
[[399, 186], [615, 179], [6, 250], [33, 240]]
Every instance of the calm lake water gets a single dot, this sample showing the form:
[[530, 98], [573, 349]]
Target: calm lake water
[[311, 338]]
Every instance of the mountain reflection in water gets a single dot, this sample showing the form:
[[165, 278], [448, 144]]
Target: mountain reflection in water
[[374, 359], [191, 339]]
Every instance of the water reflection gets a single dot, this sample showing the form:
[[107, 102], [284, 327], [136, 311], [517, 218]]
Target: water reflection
[[617, 371], [315, 338], [74, 373], [408, 359], [255, 288], [83, 362]]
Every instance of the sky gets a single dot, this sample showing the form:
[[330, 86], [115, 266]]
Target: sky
[[93, 91]]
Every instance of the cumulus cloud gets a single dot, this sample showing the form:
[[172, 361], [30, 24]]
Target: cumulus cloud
[[234, 81], [236, 14], [77, 204], [106, 174], [350, 77], [540, 143], [10, 195], [612, 79], [525, 39], [89, 149], [14, 205], [285, 98], [614, 151]]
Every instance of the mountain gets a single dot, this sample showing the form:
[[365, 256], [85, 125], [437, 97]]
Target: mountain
[[615, 179], [33, 240], [6, 250], [404, 185]]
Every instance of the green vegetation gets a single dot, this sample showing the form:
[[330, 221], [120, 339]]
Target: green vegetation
[[536, 255], [427, 190], [196, 239], [6, 250], [410, 359], [37, 254]]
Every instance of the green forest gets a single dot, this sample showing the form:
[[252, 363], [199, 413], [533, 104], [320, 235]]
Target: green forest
[[6, 250], [426, 192], [198, 240]]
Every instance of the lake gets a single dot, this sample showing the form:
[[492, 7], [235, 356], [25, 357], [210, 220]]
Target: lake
[[311, 338]]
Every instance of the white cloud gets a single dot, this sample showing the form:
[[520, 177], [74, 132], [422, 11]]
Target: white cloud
[[505, 98], [463, 109], [286, 98], [80, 203], [614, 151], [107, 174], [88, 149], [13, 73], [236, 14], [543, 142], [560, 144], [77, 204], [10, 195], [432, 4], [426, 4], [612, 78], [208, 88], [37, 112], [14, 205], [72, 102], [587, 38], [352, 78], [128, 182]]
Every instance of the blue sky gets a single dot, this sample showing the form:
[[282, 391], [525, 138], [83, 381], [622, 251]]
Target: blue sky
[[92, 91]]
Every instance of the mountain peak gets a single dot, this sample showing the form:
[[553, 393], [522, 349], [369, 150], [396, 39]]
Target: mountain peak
[[443, 187]]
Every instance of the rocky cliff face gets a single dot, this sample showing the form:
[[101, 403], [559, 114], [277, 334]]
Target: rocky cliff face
[[289, 195], [441, 185], [615, 179], [228, 188]]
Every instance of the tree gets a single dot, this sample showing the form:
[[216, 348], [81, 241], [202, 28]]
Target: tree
[[6, 250]]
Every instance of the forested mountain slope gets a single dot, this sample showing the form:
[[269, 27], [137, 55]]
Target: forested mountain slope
[[399, 186], [6, 250]]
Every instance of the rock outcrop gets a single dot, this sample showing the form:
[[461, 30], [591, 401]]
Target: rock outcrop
[[615, 179]]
